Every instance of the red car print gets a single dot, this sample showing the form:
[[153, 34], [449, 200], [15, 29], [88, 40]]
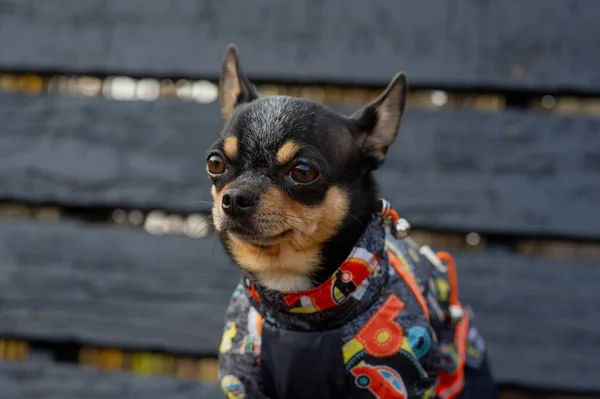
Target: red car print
[[383, 382]]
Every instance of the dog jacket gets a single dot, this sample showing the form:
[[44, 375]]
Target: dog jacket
[[380, 327]]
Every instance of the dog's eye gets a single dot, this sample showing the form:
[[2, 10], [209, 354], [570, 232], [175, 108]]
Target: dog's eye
[[215, 165], [303, 173]]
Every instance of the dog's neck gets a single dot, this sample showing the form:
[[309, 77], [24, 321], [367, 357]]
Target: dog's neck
[[334, 251], [361, 276], [331, 255], [285, 282]]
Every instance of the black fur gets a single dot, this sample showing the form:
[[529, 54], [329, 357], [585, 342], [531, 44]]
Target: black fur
[[345, 150], [327, 143]]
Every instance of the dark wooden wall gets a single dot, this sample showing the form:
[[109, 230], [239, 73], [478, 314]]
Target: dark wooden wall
[[454, 43], [465, 170], [509, 174]]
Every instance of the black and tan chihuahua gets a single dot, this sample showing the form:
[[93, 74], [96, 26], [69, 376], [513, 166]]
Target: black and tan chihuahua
[[334, 302]]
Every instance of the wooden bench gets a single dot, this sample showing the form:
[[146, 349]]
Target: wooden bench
[[509, 175]]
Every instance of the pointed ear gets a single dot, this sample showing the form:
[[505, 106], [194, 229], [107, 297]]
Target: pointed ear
[[377, 123], [234, 88]]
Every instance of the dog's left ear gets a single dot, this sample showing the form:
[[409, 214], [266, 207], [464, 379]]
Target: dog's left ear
[[377, 123], [234, 87]]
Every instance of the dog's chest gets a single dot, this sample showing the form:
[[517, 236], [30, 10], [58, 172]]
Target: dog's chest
[[382, 336], [383, 351]]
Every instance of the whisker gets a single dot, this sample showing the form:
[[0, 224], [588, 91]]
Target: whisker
[[357, 219], [214, 246], [312, 220], [206, 227], [262, 251], [299, 246], [203, 211], [292, 216], [301, 232]]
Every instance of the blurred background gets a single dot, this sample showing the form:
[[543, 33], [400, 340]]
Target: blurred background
[[111, 283]]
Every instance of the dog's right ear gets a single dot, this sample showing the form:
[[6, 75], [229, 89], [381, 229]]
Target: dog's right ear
[[234, 88], [377, 123]]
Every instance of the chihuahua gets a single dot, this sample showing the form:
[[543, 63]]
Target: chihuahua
[[334, 301]]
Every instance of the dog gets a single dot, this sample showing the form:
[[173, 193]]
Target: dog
[[334, 300]]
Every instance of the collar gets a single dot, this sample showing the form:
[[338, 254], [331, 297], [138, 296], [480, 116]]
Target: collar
[[354, 286]]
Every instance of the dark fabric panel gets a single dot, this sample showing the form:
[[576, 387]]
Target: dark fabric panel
[[298, 365]]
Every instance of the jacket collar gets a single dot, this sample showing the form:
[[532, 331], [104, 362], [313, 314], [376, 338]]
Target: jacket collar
[[354, 286]]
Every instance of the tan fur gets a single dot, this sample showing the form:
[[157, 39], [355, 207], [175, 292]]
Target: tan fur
[[217, 211], [389, 107], [287, 152], [231, 86], [230, 147], [287, 263], [389, 115]]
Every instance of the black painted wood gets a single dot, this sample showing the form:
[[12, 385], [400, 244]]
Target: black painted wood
[[107, 153], [111, 286], [538, 44], [48, 380], [538, 317], [124, 288], [510, 172]]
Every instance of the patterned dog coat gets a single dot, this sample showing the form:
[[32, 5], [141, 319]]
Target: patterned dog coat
[[380, 327]]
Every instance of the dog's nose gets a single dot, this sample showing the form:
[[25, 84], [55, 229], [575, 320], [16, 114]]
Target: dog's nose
[[236, 201]]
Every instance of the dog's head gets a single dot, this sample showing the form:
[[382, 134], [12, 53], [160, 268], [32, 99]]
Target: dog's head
[[292, 181]]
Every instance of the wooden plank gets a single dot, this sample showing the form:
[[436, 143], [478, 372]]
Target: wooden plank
[[116, 287], [517, 393], [509, 43], [538, 317], [97, 152], [124, 288], [182, 367], [512, 172], [48, 380]]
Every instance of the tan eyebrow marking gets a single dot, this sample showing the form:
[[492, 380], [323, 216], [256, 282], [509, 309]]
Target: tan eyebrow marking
[[287, 152], [230, 147]]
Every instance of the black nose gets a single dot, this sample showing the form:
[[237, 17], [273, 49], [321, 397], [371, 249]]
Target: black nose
[[236, 201]]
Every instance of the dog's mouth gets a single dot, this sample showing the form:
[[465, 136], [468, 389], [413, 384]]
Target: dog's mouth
[[259, 240]]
